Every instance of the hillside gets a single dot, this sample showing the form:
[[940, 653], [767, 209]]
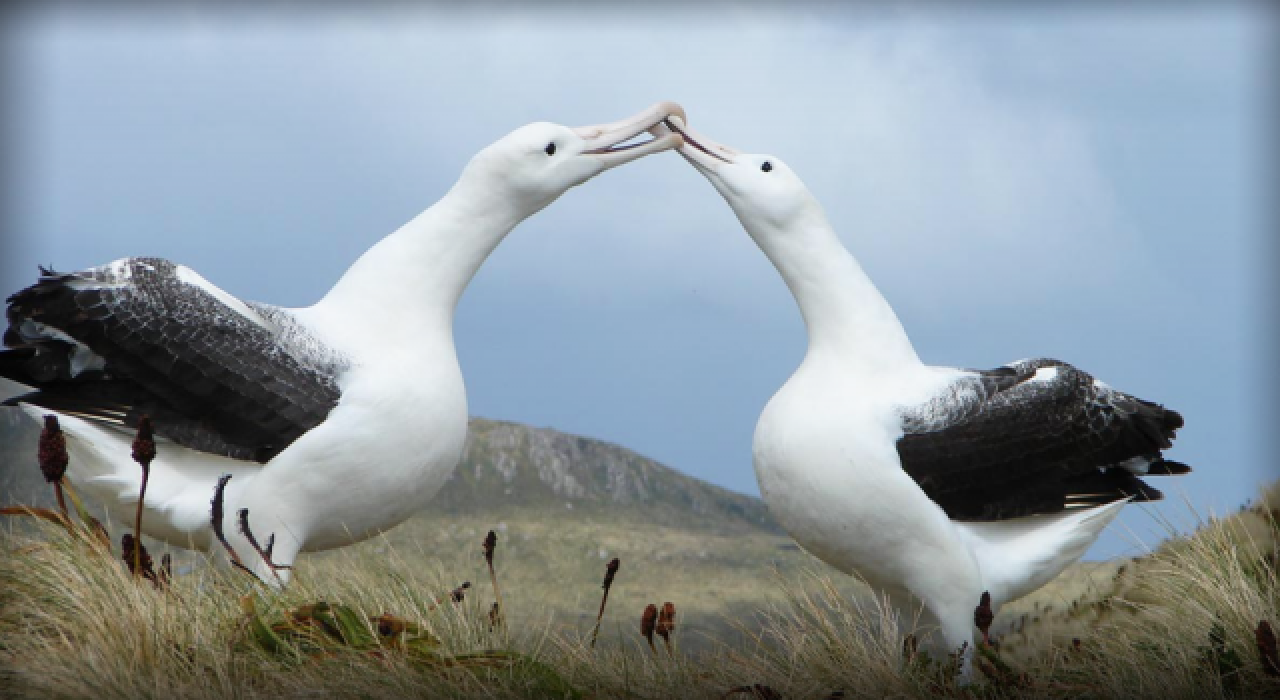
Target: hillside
[[507, 467], [562, 506], [20, 479]]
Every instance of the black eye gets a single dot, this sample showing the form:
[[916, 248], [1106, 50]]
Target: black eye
[[767, 166], [550, 149]]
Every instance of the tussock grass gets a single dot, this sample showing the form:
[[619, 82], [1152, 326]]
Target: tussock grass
[[1177, 623]]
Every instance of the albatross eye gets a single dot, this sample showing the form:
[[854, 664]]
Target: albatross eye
[[551, 148], [767, 166]]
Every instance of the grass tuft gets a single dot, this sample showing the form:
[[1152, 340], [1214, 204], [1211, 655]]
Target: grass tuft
[[1195, 618]]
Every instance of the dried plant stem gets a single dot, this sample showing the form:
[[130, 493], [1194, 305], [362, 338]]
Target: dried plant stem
[[137, 523], [496, 593], [41, 513], [78, 505], [265, 554], [611, 570], [215, 521], [490, 544], [144, 451], [62, 501], [595, 631], [456, 595]]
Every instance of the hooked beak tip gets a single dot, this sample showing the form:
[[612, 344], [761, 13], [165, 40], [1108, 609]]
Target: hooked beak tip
[[699, 148]]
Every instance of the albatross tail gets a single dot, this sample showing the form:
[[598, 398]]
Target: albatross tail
[[1018, 556], [179, 489]]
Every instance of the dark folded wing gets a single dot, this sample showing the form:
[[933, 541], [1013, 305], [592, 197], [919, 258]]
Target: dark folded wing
[[1034, 437], [144, 335]]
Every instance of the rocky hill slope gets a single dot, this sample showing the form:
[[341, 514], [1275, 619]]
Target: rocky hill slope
[[507, 467]]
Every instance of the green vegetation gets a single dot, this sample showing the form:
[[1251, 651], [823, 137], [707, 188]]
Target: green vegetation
[[754, 614]]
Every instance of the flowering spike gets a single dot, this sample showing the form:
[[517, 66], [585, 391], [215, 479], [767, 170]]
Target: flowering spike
[[490, 543], [666, 619], [1266, 639], [53, 450], [647, 623], [144, 445], [983, 616], [610, 570], [456, 595], [666, 623], [144, 450], [136, 558], [52, 457]]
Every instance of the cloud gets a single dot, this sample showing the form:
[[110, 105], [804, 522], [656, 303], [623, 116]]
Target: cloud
[[1009, 180], [928, 169]]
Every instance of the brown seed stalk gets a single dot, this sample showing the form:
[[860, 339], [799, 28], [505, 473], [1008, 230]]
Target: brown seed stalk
[[165, 576], [490, 544], [456, 595], [983, 616], [666, 624], [41, 513], [215, 519], [610, 570], [135, 554], [648, 621], [757, 691], [96, 527], [1266, 639], [242, 523], [53, 459], [144, 450]]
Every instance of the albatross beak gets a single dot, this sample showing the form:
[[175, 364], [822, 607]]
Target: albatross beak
[[602, 139], [699, 150]]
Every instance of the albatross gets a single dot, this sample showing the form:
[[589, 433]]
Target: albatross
[[934, 484], [335, 421]]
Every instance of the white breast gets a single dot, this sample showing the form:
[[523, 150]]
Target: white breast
[[826, 460]]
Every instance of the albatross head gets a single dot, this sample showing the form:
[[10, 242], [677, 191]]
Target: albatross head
[[538, 162], [764, 193]]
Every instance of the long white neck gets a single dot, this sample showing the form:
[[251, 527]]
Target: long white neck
[[410, 281], [846, 316]]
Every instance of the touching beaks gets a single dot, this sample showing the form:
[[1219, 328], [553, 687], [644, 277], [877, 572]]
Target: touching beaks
[[602, 139], [697, 149]]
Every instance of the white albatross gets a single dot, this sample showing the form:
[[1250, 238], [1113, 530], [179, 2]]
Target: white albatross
[[336, 421], [934, 484]]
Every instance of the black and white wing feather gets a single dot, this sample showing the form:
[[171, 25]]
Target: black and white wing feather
[[146, 336], [1037, 436]]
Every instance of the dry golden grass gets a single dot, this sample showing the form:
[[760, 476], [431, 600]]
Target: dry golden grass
[[74, 624]]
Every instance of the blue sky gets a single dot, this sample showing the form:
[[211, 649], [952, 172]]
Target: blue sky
[[1085, 184]]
